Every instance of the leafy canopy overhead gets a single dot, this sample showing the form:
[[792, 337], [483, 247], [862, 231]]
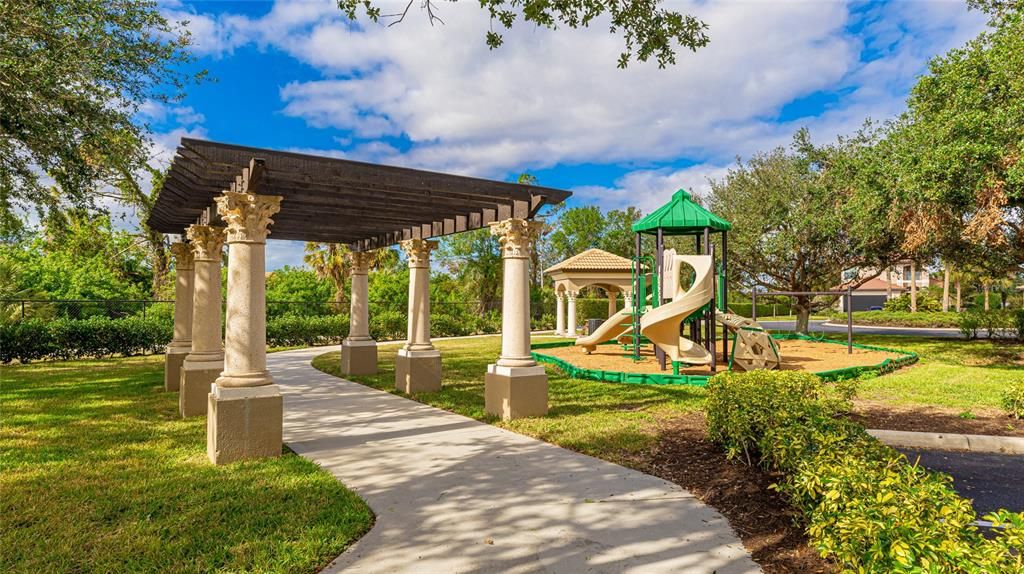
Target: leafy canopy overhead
[[73, 74], [648, 29]]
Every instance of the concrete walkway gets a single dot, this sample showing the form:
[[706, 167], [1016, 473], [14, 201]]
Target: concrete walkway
[[454, 495]]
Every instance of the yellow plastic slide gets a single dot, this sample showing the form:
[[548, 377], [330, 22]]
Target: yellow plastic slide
[[614, 327], [661, 325]]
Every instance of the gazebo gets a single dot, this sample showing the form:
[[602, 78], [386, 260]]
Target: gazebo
[[218, 193], [593, 267]]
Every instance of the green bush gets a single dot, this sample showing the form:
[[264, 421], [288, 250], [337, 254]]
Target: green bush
[[1013, 399], [1018, 324], [864, 505], [935, 319], [301, 331], [925, 302], [970, 322], [996, 323], [388, 325], [443, 325], [25, 341], [96, 336]]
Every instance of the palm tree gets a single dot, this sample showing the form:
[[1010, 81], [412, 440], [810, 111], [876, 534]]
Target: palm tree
[[329, 261]]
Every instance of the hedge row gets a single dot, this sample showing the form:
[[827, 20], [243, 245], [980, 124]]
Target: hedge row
[[62, 339], [865, 506], [1004, 324], [925, 319]]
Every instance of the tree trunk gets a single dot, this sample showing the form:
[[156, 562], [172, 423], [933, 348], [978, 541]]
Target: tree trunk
[[959, 305], [803, 314], [945, 288], [913, 287], [888, 284], [987, 289]]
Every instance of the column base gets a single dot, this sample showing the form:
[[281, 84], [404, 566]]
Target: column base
[[172, 368], [359, 357], [418, 371], [244, 423], [196, 379], [515, 392]]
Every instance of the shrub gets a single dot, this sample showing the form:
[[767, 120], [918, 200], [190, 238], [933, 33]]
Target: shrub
[[298, 330], [937, 319], [388, 325], [25, 341], [863, 504], [925, 302], [1018, 324], [79, 338], [970, 322], [443, 325], [1013, 399]]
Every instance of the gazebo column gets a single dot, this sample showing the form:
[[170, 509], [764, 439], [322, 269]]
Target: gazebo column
[[571, 330], [359, 350], [613, 296], [418, 364], [627, 299], [559, 313], [245, 407], [516, 386], [181, 343], [206, 359]]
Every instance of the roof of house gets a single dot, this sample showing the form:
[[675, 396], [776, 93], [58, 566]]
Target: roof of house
[[593, 260], [681, 216]]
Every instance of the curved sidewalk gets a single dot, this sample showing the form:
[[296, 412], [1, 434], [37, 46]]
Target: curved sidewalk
[[455, 495]]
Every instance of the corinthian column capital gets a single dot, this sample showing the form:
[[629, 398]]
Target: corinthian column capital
[[206, 241], [184, 259], [361, 261], [516, 236], [418, 251], [247, 215]]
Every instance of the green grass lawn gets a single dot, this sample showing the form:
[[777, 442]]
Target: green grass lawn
[[98, 473], [610, 421], [954, 374]]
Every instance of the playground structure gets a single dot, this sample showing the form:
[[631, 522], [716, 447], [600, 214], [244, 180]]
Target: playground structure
[[681, 322]]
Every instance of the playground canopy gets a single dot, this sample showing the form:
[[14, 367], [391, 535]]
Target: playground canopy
[[681, 216]]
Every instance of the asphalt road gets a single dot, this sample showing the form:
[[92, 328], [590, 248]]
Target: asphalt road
[[992, 481], [821, 327]]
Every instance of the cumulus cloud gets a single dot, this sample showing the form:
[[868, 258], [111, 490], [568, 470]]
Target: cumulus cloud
[[651, 188]]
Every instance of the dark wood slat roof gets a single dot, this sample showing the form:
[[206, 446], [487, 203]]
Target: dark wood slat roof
[[326, 199]]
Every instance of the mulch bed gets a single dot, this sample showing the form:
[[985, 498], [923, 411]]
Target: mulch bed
[[933, 419], [760, 516]]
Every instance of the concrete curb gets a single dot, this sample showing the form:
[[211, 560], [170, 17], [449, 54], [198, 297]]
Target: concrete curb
[[951, 441]]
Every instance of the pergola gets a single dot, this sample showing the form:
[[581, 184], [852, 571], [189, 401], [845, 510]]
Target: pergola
[[593, 267], [218, 193]]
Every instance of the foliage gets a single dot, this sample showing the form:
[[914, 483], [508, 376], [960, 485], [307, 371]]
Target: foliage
[[300, 331], [74, 73], [582, 228], [329, 261], [647, 29], [474, 260], [793, 224], [35, 339], [996, 323], [901, 304], [78, 256], [297, 284], [1013, 399], [100, 473], [930, 319], [864, 505]]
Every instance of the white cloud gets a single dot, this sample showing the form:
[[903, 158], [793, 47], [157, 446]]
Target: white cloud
[[650, 189]]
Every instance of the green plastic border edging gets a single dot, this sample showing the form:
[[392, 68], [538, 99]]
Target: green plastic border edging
[[886, 366]]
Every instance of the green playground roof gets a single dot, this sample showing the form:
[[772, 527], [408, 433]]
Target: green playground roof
[[681, 216]]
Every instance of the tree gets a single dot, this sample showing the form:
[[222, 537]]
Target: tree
[[959, 147], [474, 258], [792, 224], [648, 30], [329, 261], [73, 74], [617, 236], [578, 229]]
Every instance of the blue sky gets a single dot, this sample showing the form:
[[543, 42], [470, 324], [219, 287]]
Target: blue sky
[[298, 76]]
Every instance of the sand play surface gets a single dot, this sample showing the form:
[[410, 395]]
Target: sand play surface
[[796, 355]]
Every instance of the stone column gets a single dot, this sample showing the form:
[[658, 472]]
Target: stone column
[[418, 364], [245, 407], [359, 350], [612, 301], [181, 343], [206, 359], [560, 313], [515, 386], [571, 330]]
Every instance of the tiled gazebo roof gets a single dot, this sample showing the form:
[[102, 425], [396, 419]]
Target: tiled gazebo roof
[[593, 260]]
